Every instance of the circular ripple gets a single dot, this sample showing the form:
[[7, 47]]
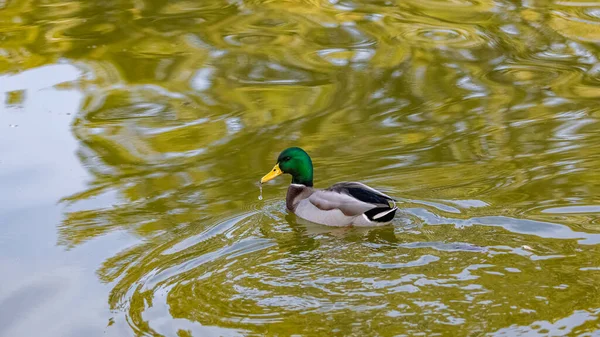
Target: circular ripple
[[340, 37], [458, 11], [250, 70], [253, 31], [178, 17], [529, 74], [441, 35], [342, 46], [256, 39], [322, 59], [261, 272], [556, 52], [257, 268], [272, 23], [518, 74], [436, 36]]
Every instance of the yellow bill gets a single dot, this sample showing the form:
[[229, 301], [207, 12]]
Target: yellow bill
[[275, 172]]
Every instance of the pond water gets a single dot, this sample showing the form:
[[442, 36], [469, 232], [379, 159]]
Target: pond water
[[133, 135]]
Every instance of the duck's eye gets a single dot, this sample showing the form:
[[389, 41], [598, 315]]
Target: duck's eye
[[286, 158]]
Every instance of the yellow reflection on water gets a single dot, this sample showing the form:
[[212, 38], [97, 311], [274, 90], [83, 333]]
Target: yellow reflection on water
[[480, 116]]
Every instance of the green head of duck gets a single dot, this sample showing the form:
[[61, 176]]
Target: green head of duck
[[296, 162]]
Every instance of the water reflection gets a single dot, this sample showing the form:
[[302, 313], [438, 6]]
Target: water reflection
[[480, 115]]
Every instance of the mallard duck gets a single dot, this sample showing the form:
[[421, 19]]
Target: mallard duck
[[343, 204]]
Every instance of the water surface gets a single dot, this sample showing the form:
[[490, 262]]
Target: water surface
[[133, 134]]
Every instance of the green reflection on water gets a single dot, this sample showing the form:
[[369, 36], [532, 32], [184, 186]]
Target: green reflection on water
[[482, 116]]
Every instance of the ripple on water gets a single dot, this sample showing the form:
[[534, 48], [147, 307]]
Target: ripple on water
[[563, 326], [258, 72], [373, 6], [437, 36], [173, 17], [256, 39], [179, 7], [535, 76], [340, 57], [347, 37], [224, 228], [338, 46], [59, 9], [581, 25], [141, 102], [461, 5], [81, 33], [385, 55], [458, 11], [261, 267], [592, 13], [90, 30], [254, 31], [232, 274], [573, 209], [156, 133], [522, 226]]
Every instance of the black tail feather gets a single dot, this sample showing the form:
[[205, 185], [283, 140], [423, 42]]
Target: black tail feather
[[372, 214]]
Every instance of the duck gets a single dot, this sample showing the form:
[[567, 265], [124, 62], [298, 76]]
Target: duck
[[343, 204]]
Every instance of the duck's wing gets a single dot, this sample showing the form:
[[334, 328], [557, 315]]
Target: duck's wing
[[363, 193], [351, 198]]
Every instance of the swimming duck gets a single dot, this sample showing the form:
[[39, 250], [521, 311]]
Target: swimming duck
[[343, 204]]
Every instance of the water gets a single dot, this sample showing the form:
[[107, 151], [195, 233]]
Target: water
[[128, 190]]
